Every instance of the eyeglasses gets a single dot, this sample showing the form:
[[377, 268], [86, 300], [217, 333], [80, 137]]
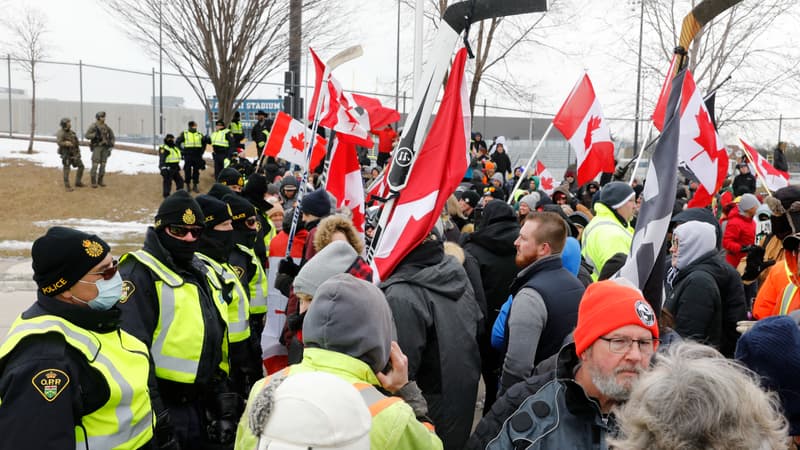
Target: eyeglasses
[[109, 272], [180, 231], [622, 345], [250, 221]]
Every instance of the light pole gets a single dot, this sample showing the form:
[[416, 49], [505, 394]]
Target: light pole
[[160, 74], [397, 63], [638, 80]]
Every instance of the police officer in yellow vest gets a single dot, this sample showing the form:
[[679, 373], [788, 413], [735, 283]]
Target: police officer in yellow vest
[[236, 131], [193, 145], [169, 158], [223, 144], [173, 303], [251, 273], [69, 377], [216, 244], [260, 131], [609, 232]]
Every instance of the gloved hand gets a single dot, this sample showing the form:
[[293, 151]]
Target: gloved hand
[[754, 263], [283, 283], [163, 434], [221, 431], [164, 171], [223, 412], [749, 248], [289, 267]]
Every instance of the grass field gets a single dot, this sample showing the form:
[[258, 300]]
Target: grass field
[[31, 194]]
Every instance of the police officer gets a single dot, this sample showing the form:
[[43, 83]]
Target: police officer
[[193, 145], [232, 178], [260, 131], [237, 133], [169, 158], [69, 377], [216, 244], [101, 140], [248, 266], [222, 143], [172, 302], [70, 152]]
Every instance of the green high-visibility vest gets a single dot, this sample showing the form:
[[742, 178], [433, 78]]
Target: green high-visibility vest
[[192, 139], [235, 127], [220, 138], [257, 284], [238, 308], [176, 349], [174, 154], [126, 419]]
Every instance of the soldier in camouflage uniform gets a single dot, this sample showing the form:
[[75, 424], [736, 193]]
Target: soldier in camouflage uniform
[[101, 140], [70, 152]]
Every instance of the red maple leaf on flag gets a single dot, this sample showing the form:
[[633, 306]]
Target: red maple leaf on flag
[[298, 142], [707, 137], [547, 183], [594, 123]]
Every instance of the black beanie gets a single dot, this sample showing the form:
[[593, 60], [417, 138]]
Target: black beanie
[[219, 191], [254, 191], [230, 177], [316, 203], [63, 256], [179, 209], [241, 209], [215, 211]]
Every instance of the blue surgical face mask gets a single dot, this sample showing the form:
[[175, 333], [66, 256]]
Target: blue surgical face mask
[[108, 293]]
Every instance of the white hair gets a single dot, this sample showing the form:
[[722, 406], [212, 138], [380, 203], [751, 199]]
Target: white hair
[[694, 398]]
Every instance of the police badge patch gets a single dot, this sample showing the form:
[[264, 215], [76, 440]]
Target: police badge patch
[[127, 290], [50, 383], [239, 271]]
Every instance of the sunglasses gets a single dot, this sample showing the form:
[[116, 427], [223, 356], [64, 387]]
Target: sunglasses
[[250, 221], [109, 272], [181, 231]]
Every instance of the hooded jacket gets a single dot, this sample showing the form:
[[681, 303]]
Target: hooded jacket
[[436, 316], [706, 302]]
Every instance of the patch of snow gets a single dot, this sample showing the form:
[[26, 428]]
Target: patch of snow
[[15, 245], [46, 155], [102, 228]]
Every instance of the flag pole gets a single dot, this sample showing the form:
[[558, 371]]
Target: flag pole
[[639, 158], [755, 166], [530, 160]]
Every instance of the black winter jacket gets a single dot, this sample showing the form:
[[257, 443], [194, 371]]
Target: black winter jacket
[[436, 316], [706, 301]]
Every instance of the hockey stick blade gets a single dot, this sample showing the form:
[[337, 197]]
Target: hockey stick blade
[[343, 56], [478, 10]]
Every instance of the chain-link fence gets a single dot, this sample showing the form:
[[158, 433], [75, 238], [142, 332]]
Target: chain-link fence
[[134, 100]]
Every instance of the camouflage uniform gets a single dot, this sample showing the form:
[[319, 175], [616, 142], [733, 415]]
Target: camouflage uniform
[[101, 140], [70, 152]]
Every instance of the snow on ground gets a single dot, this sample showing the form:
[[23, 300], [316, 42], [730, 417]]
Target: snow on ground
[[46, 155], [115, 233]]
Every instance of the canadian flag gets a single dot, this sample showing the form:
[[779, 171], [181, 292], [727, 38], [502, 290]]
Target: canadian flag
[[350, 115], [700, 147], [546, 181], [379, 187], [773, 178], [663, 96], [344, 181], [580, 120], [287, 141], [439, 166]]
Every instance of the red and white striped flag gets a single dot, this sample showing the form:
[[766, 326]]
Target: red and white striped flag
[[437, 170], [773, 178], [344, 181], [581, 121], [350, 115], [287, 141], [546, 181], [663, 96]]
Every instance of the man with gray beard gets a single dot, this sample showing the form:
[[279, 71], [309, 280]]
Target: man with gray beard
[[571, 406]]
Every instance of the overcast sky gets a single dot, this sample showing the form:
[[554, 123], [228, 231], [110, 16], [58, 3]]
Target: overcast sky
[[590, 40]]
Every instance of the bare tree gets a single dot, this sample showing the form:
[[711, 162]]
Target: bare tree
[[29, 47], [740, 42], [231, 45]]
